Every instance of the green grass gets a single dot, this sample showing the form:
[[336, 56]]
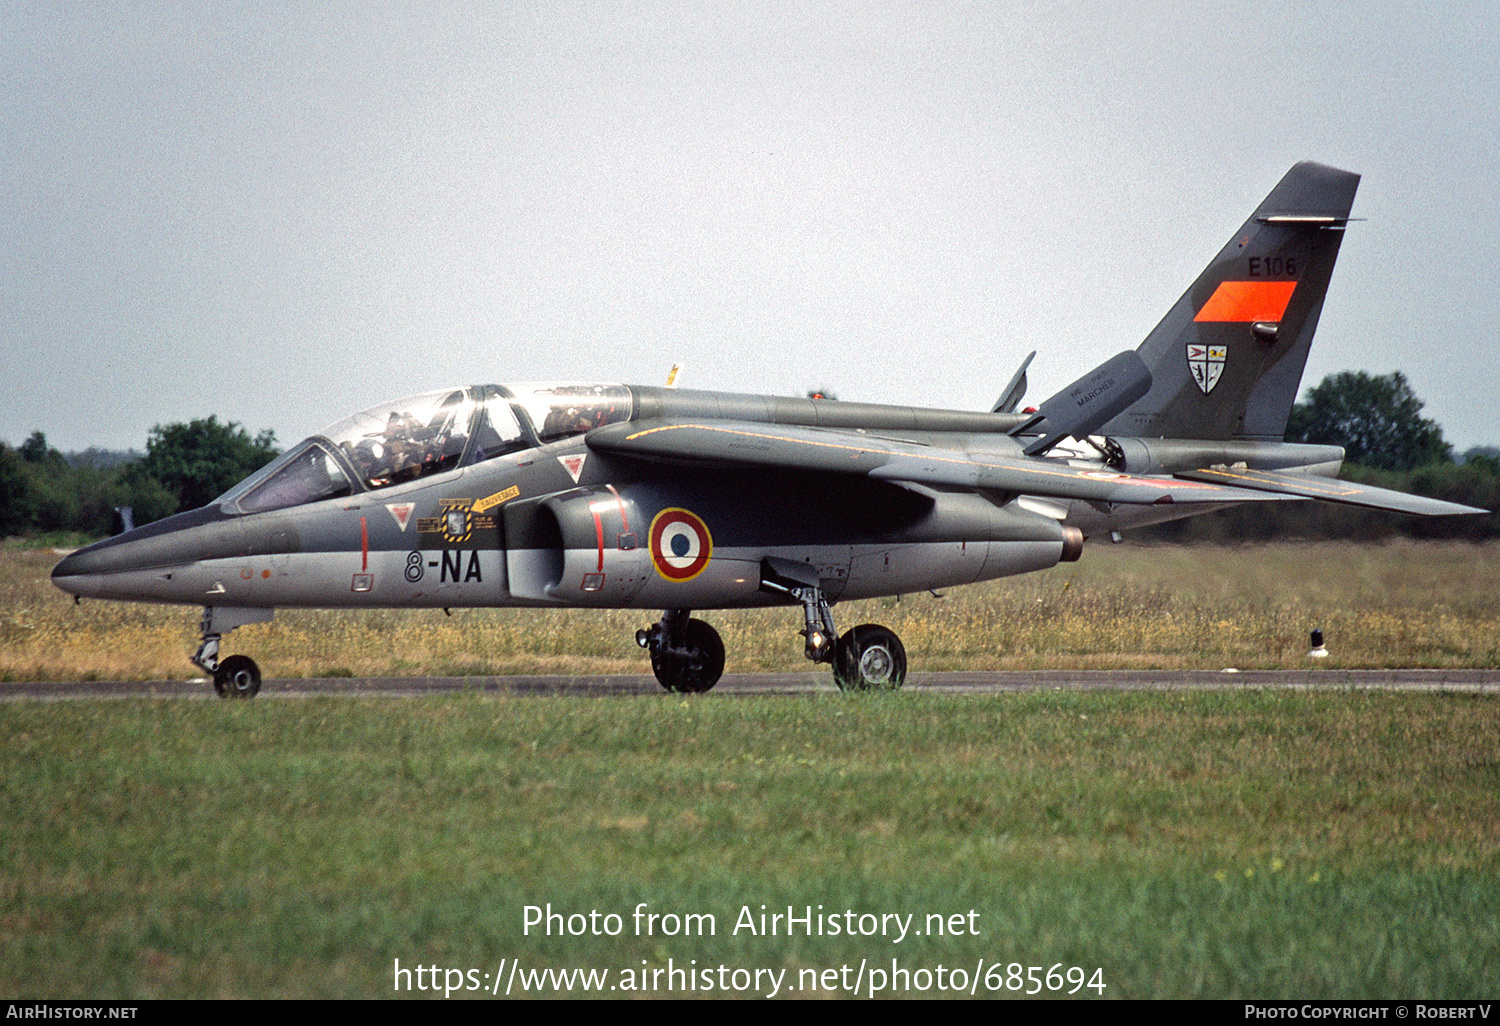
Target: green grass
[[1226, 844]]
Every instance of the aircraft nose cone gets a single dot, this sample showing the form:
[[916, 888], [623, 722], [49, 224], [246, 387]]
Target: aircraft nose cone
[[66, 572], [135, 565], [80, 573], [100, 558]]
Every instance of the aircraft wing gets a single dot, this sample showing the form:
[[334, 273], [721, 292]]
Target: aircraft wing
[[1329, 490], [727, 444]]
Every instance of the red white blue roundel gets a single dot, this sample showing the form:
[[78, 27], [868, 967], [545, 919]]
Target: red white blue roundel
[[680, 544]]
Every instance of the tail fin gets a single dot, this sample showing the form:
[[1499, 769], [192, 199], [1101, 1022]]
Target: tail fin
[[1226, 361]]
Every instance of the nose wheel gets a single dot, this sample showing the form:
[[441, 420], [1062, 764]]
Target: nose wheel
[[237, 677]]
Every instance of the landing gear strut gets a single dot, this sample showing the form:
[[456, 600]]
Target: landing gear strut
[[237, 676], [866, 658], [687, 655]]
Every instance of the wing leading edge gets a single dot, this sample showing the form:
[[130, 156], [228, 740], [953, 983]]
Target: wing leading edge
[[737, 444], [727, 444]]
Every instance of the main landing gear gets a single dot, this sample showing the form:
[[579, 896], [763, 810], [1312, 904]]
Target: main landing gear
[[865, 658], [869, 658], [237, 676], [687, 655]]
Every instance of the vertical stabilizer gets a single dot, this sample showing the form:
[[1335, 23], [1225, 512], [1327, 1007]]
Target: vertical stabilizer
[[1226, 361]]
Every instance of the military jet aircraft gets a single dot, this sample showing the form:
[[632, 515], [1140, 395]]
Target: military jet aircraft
[[605, 495]]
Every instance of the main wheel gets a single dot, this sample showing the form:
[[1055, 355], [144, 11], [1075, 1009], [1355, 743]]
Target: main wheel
[[869, 658], [694, 667], [237, 677]]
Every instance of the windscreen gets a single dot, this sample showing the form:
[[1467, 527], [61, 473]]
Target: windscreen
[[308, 473]]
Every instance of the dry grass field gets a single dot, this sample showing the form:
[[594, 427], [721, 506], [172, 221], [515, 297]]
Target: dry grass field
[[1398, 604]]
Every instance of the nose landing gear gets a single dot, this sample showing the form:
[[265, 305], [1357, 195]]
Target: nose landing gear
[[869, 658], [237, 676]]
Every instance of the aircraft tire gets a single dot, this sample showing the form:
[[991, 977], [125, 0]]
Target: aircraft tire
[[237, 677], [869, 658], [698, 670]]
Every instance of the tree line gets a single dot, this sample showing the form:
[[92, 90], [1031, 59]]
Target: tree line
[[1377, 419], [185, 466]]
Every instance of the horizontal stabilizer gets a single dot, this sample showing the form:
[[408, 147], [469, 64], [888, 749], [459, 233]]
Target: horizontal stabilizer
[[1329, 489]]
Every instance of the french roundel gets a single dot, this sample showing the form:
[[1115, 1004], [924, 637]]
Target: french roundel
[[680, 544]]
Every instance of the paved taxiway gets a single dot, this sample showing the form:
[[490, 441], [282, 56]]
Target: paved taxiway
[[1468, 681]]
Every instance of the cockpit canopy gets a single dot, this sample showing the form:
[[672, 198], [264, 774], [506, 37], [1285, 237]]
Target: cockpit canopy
[[427, 434]]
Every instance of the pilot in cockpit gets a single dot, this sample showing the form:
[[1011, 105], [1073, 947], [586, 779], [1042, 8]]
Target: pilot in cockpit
[[386, 457]]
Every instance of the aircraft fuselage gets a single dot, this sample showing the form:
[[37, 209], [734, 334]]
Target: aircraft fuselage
[[558, 524]]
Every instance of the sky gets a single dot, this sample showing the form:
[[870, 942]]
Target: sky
[[280, 214]]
